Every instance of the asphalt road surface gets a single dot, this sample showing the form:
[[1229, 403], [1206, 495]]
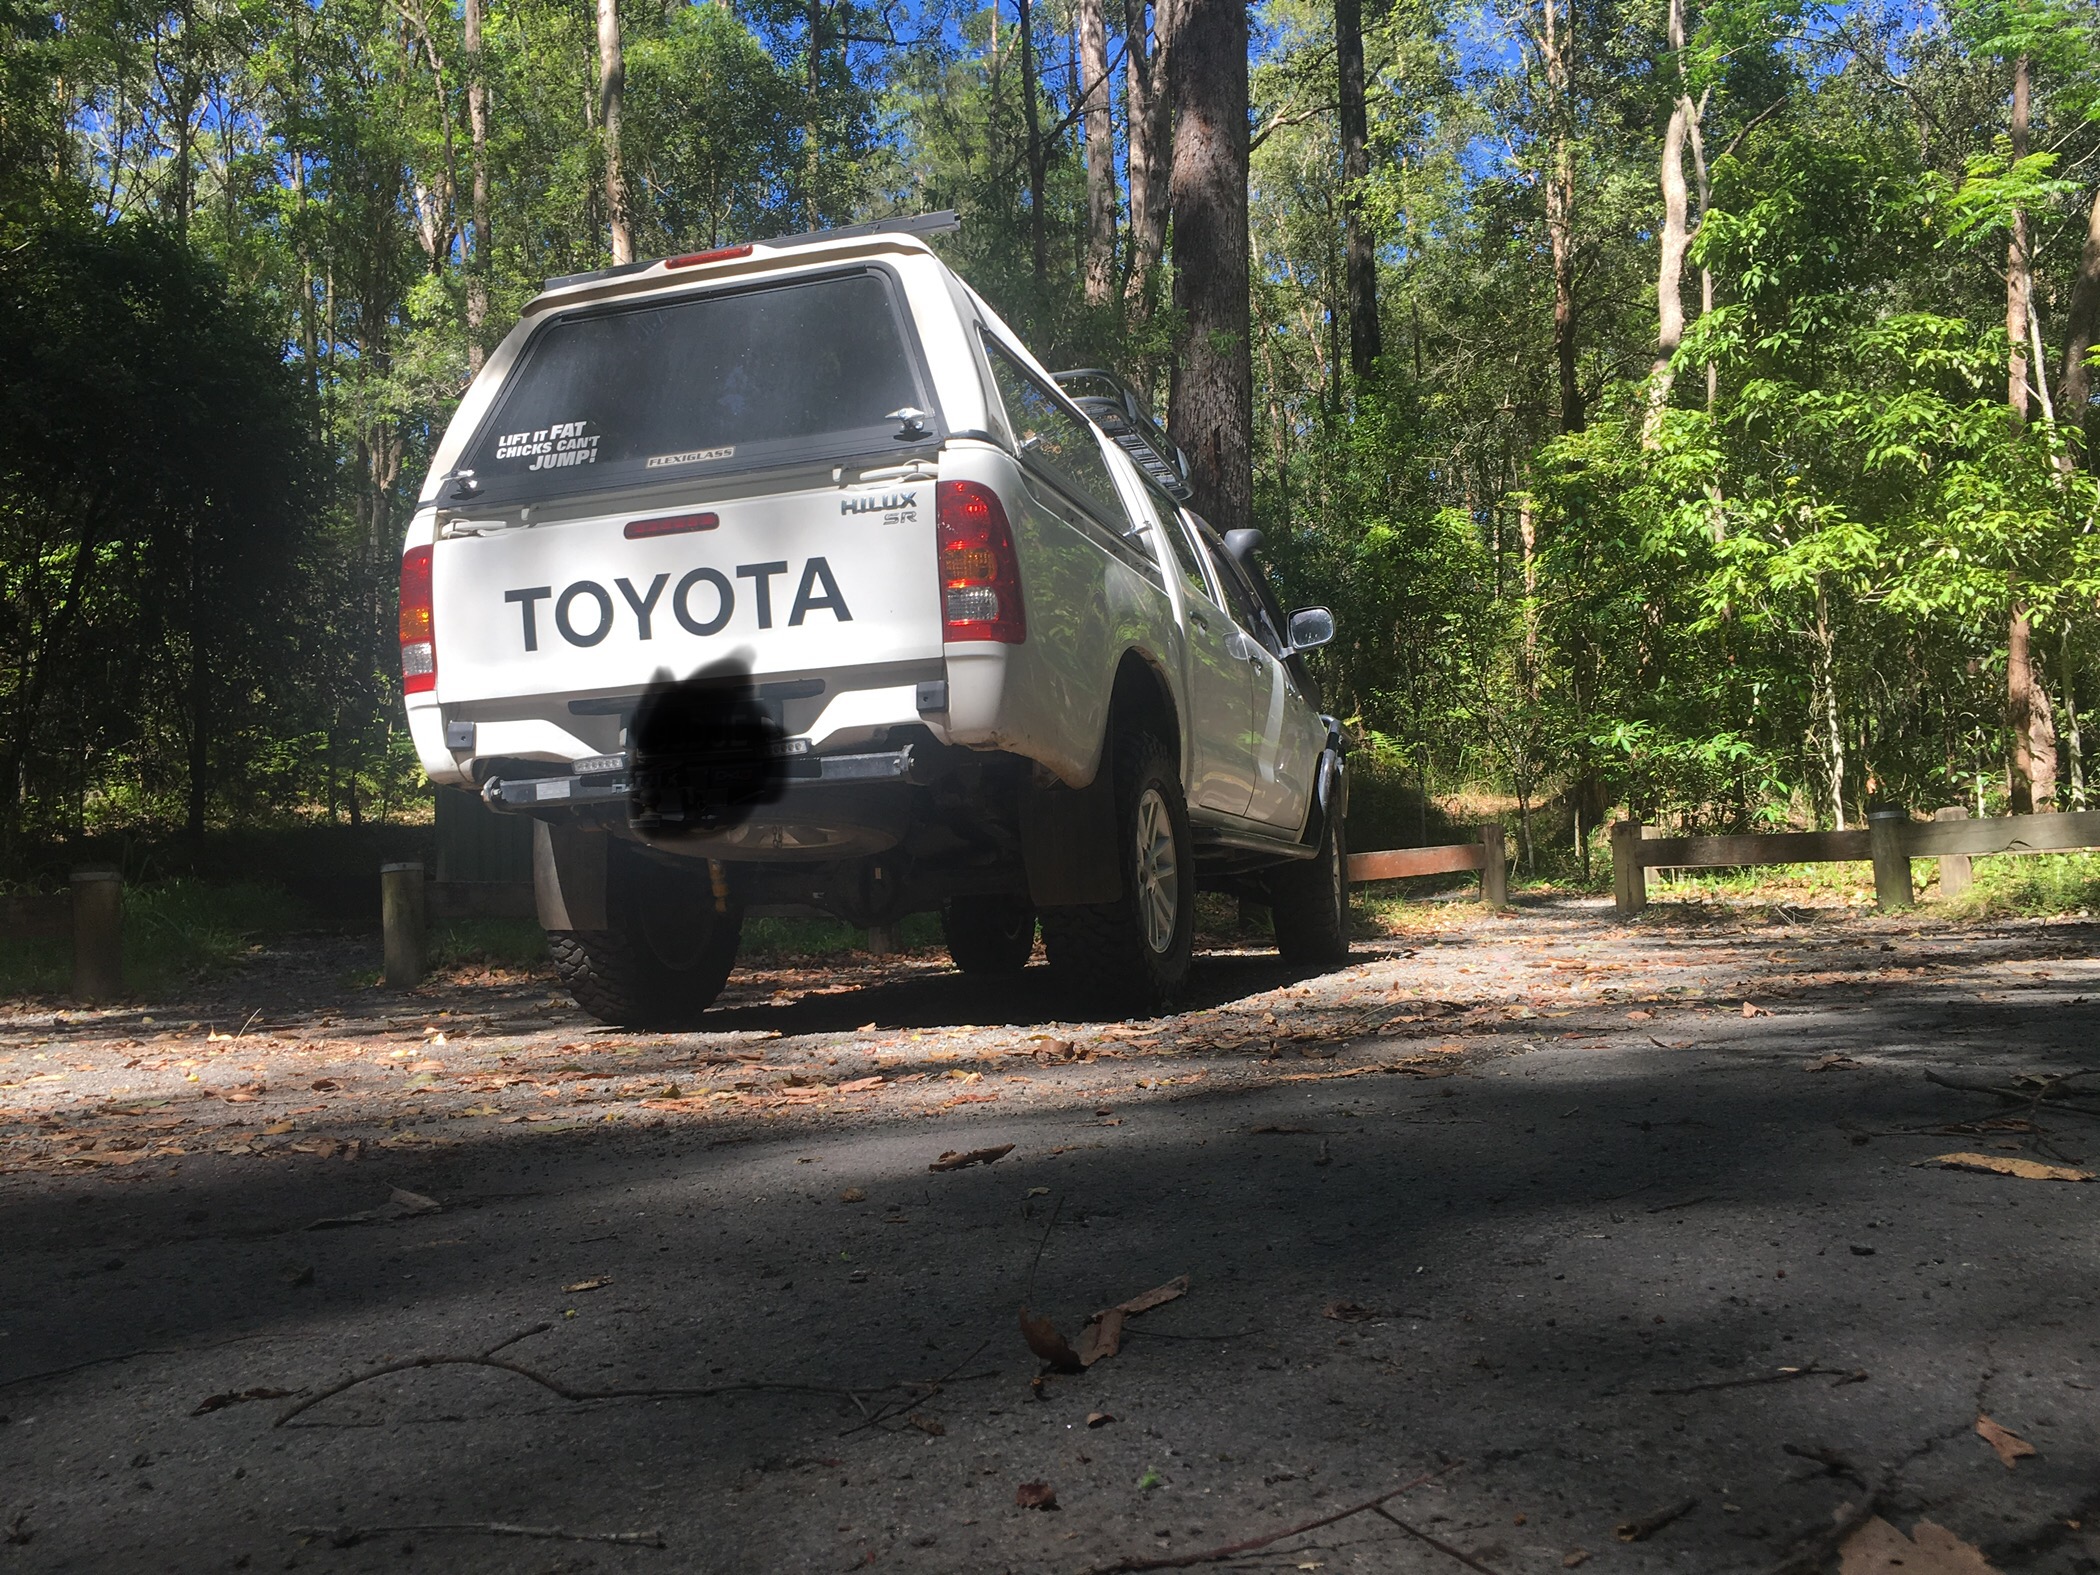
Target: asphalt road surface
[[1531, 1212]]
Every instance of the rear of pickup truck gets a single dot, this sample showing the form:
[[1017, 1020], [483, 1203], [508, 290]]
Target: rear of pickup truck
[[768, 488]]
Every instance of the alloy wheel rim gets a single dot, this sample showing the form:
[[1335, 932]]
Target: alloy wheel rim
[[1158, 872]]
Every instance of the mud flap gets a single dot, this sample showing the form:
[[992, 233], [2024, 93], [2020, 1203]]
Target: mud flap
[[1068, 843], [568, 876]]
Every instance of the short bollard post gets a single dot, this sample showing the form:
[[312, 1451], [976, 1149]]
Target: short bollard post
[[98, 935], [1956, 877], [1892, 888], [1494, 866], [1629, 877], [401, 913]]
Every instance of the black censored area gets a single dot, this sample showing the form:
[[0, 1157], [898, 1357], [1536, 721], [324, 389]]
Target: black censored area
[[706, 753]]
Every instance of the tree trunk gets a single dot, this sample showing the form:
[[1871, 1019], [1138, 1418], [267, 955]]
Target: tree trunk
[[612, 88], [2075, 389], [478, 263], [1706, 275], [1560, 214], [1826, 680], [1361, 260], [1213, 386], [1100, 155], [2027, 714], [2033, 776], [1676, 236], [2018, 279], [1147, 110], [809, 108], [1038, 236]]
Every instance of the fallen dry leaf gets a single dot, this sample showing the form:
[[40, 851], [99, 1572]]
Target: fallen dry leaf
[[598, 1284], [1575, 1557], [926, 1424], [1158, 1296], [853, 1195], [1878, 1548], [1103, 1336], [1751, 1011], [277, 1129], [1043, 1339], [2010, 1445], [406, 1202], [860, 1085], [1099, 1418], [1036, 1495], [1348, 1312], [1834, 1061], [2005, 1165], [951, 1160]]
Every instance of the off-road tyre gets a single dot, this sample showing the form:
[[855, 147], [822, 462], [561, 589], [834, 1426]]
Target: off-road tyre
[[666, 952], [989, 935], [1131, 956], [1309, 902]]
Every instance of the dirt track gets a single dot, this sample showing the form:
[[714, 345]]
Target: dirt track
[[1528, 1202]]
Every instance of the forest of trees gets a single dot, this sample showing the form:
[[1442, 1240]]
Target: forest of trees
[[1683, 404]]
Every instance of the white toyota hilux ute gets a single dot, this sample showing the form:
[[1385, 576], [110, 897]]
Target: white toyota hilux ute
[[782, 578]]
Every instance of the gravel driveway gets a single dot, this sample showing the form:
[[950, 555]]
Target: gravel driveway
[[1586, 1230]]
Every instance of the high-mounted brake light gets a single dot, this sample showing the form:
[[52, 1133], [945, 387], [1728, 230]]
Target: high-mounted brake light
[[719, 254], [419, 668], [980, 574], [670, 525]]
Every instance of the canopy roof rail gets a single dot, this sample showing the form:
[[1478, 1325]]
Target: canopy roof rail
[[914, 224], [1115, 407]]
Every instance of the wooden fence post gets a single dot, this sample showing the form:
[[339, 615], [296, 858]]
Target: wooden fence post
[[98, 934], [1956, 877], [1494, 866], [401, 914], [1892, 888], [1629, 878]]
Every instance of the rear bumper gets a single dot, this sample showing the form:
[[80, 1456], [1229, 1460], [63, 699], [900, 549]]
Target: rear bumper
[[608, 779]]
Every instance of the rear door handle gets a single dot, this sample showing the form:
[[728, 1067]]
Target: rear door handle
[[1198, 619]]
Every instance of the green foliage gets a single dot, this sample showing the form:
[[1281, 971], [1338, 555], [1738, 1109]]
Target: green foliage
[[176, 933]]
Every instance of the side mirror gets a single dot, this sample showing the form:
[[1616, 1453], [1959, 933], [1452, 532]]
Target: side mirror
[[1311, 627]]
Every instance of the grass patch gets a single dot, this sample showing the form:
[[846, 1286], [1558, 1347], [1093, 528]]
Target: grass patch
[[2031, 885], [518, 944], [796, 940], [175, 933]]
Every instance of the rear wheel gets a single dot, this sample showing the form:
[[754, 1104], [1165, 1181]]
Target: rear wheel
[[1132, 954], [666, 951], [1309, 901], [989, 934]]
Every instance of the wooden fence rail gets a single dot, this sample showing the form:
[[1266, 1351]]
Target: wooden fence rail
[[1892, 839], [1486, 856]]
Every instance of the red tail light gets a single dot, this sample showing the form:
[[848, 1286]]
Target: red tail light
[[980, 576], [669, 525], [719, 254], [419, 665]]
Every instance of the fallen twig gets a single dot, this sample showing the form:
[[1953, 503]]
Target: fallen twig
[[488, 1358], [2051, 1089], [1642, 1527], [350, 1536], [1783, 1375], [1466, 1559], [1232, 1550]]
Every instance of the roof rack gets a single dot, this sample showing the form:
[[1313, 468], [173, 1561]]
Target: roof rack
[[914, 224], [1116, 409]]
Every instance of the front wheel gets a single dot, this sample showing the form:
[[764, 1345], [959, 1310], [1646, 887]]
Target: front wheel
[[992, 935], [666, 952], [1309, 900], [1132, 955]]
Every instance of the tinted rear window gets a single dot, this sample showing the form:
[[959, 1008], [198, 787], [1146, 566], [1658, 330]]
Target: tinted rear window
[[706, 383]]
